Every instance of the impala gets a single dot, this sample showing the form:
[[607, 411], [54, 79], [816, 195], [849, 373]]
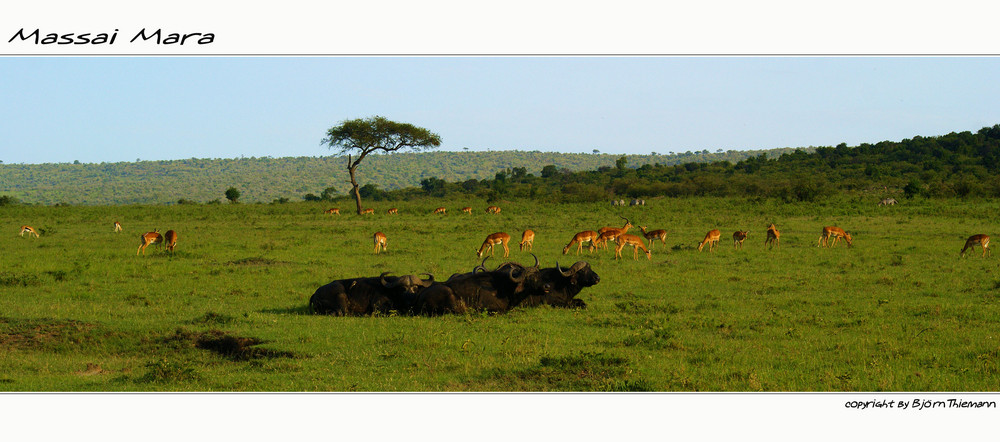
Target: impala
[[380, 242], [440, 210], [578, 239], [368, 211], [636, 242], [492, 209], [712, 239], [603, 238], [615, 231], [148, 238], [118, 227], [982, 240], [738, 237], [528, 238], [333, 211], [30, 230], [493, 239], [653, 235], [772, 236], [392, 211], [467, 210], [836, 233], [170, 238]]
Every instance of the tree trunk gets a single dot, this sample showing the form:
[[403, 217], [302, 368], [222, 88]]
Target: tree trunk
[[357, 194]]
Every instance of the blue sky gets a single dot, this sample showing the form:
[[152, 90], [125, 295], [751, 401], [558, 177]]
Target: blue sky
[[108, 109]]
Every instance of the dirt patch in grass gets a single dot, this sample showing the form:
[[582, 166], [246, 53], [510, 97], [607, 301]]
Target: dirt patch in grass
[[238, 348], [45, 333]]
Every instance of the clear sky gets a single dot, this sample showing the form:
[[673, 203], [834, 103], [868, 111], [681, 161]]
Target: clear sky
[[108, 109]]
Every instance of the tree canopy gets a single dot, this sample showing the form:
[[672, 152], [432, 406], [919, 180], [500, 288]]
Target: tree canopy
[[363, 136]]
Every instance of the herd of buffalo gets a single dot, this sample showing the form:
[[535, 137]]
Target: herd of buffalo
[[508, 286]]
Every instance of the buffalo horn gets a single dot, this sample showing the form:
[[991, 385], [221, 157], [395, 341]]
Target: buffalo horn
[[480, 267], [567, 273], [387, 284], [429, 280]]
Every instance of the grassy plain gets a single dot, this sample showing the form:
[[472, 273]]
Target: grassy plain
[[900, 311]]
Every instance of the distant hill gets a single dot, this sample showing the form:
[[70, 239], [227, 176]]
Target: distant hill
[[267, 179]]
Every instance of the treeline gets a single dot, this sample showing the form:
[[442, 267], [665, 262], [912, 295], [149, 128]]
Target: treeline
[[287, 179], [954, 165], [961, 164]]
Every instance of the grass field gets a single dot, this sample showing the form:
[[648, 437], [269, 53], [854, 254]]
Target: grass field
[[899, 311]]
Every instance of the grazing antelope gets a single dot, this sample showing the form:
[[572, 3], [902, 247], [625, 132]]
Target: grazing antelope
[[712, 239], [527, 238], [368, 211], [772, 236], [467, 210], [636, 242], [493, 209], [653, 235], [738, 237], [170, 238], [392, 211], [888, 202], [501, 238], [333, 211], [836, 233], [118, 227], [30, 230], [380, 242], [440, 210], [610, 233], [148, 238], [982, 240], [578, 239]]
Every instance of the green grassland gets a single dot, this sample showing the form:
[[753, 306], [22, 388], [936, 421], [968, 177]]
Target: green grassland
[[899, 311]]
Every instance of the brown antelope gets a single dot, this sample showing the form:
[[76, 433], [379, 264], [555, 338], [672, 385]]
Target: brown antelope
[[653, 235], [467, 210], [636, 242], [441, 210], [148, 238], [333, 211], [602, 238], [30, 230], [170, 239], [501, 238], [738, 237], [368, 211], [527, 238], [836, 233], [712, 239], [392, 211], [380, 242], [772, 236], [578, 239], [615, 231], [118, 227], [982, 240], [493, 209]]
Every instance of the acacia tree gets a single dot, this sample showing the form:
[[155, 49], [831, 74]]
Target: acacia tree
[[363, 136]]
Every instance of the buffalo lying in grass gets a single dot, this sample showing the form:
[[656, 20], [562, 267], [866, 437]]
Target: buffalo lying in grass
[[508, 286], [494, 291], [366, 296]]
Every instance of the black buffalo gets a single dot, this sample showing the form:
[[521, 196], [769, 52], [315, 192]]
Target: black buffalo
[[558, 287], [494, 291], [366, 296]]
